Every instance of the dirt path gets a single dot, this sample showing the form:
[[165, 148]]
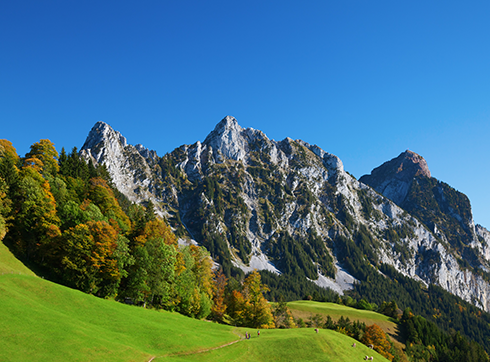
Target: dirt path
[[198, 351]]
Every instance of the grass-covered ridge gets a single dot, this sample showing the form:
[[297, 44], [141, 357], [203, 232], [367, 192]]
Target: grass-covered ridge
[[308, 309], [305, 309]]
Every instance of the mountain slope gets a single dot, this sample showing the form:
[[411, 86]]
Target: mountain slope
[[443, 210], [289, 207]]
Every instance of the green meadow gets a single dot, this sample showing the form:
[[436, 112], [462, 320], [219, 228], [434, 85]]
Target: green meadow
[[41, 320], [301, 344], [305, 309]]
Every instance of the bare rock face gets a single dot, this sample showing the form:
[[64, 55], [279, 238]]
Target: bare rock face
[[228, 139], [128, 165], [393, 178]]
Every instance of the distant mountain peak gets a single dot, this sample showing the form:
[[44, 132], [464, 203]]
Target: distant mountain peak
[[393, 178], [227, 137], [412, 163], [101, 133]]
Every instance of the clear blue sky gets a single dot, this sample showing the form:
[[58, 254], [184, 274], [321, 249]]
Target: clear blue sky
[[364, 80]]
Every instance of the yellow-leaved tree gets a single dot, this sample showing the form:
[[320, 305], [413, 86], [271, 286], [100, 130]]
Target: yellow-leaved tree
[[249, 307]]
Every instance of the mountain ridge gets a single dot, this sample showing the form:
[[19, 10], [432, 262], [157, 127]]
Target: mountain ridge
[[290, 207]]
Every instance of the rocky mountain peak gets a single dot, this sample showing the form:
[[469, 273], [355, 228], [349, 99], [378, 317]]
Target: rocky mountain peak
[[393, 178], [412, 164], [102, 133], [228, 139]]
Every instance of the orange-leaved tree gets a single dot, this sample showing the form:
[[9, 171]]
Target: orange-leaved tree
[[375, 336]]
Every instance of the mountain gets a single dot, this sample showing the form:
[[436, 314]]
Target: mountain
[[445, 211], [290, 208]]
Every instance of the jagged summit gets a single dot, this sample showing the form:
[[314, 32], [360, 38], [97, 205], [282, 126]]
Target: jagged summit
[[228, 138], [393, 178], [226, 125], [101, 132], [128, 165]]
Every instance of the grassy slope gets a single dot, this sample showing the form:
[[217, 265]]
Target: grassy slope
[[66, 324], [287, 345], [305, 309], [9, 264], [40, 321]]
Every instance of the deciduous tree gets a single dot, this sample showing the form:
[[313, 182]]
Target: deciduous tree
[[374, 335]]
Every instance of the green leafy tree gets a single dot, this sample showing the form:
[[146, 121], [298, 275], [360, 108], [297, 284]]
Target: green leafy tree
[[160, 269], [35, 223]]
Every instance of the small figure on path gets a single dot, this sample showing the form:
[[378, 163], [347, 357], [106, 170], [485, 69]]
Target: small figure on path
[[258, 333]]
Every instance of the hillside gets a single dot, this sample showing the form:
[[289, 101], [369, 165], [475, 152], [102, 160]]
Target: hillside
[[43, 321], [307, 310]]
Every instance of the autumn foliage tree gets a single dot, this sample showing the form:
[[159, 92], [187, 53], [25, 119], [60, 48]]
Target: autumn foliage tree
[[248, 307], [35, 222], [376, 337], [62, 215]]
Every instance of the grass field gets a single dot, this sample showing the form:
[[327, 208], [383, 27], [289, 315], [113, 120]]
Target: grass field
[[43, 321], [304, 309], [287, 345]]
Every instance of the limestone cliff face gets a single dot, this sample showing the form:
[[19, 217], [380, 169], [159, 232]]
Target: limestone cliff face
[[129, 166], [290, 207]]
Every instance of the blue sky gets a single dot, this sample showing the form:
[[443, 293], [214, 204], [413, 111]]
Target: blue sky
[[364, 80]]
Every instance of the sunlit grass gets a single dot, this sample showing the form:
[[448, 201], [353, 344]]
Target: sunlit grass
[[44, 321]]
